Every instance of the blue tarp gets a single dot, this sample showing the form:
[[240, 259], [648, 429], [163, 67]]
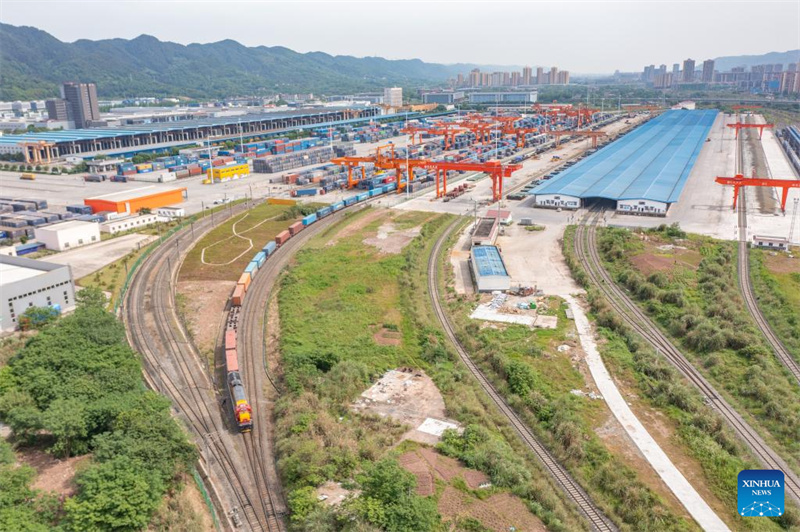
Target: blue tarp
[[652, 162], [487, 261]]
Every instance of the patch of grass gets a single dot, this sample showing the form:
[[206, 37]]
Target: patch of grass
[[778, 293], [260, 224], [111, 278], [332, 301], [701, 431]]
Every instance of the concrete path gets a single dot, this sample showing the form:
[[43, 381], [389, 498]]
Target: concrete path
[[672, 477], [89, 259]]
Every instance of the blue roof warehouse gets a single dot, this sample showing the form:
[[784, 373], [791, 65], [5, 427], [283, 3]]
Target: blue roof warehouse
[[643, 172], [488, 269]]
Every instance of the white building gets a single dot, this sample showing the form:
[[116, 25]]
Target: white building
[[645, 207], [171, 212], [778, 243], [129, 222], [393, 96], [26, 283], [557, 201], [68, 235]]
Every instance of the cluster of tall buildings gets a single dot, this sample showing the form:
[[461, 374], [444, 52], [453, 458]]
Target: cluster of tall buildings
[[661, 78], [767, 78], [526, 78], [78, 104]]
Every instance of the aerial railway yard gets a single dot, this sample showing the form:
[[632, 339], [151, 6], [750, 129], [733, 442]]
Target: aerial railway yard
[[254, 492]]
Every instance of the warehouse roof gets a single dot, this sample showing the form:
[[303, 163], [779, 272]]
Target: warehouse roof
[[487, 261], [144, 129], [70, 224], [13, 269], [652, 162]]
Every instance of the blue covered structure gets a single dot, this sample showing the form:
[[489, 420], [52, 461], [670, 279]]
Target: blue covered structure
[[488, 269], [643, 172]]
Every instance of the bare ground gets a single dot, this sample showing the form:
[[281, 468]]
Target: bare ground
[[391, 240], [205, 306], [53, 474], [356, 226], [782, 263], [497, 513]]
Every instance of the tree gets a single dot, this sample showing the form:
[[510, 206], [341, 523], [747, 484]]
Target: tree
[[387, 481], [113, 496], [66, 420], [145, 210], [91, 296], [19, 411], [37, 317]]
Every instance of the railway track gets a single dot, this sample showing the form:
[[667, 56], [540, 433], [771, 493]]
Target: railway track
[[173, 365], [586, 251], [745, 281], [563, 479]]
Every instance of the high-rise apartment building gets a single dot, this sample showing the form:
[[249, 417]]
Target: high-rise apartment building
[[527, 75], [688, 71], [663, 80], [553, 75], [676, 69], [515, 79], [708, 71], [393, 96], [563, 78], [539, 76], [475, 78], [82, 100]]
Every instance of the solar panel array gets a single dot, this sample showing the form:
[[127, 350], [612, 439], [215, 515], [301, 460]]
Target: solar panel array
[[650, 163]]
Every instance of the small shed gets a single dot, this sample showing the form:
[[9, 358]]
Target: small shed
[[778, 243], [488, 269]]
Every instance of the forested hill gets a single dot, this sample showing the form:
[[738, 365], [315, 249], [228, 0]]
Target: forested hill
[[34, 63]]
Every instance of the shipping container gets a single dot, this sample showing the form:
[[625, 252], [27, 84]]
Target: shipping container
[[231, 360], [251, 268], [282, 237], [296, 228], [238, 295], [310, 219], [79, 209], [363, 196], [304, 192], [325, 211], [260, 259], [230, 339], [244, 281], [270, 248], [339, 205]]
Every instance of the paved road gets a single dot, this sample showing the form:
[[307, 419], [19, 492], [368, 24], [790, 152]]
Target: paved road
[[91, 258]]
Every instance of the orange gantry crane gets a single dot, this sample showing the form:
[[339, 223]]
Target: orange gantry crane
[[448, 131], [738, 181], [386, 159], [739, 107], [741, 125]]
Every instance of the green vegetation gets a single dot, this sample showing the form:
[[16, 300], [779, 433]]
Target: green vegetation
[[75, 388], [776, 282], [332, 303], [537, 380], [220, 247], [699, 429]]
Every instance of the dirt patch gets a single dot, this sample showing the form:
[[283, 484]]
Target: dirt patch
[[499, 512], [387, 337], [53, 474], [781, 263], [333, 494], [665, 258], [355, 227], [410, 397], [415, 464], [391, 240], [194, 499], [204, 304]]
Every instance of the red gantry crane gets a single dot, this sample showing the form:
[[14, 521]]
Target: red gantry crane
[[738, 181], [741, 125], [594, 135]]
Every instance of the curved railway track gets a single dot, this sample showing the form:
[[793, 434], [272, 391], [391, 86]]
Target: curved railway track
[[565, 481], [586, 251], [174, 368], [745, 281]]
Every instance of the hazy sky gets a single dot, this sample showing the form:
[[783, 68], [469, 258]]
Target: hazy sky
[[583, 37]]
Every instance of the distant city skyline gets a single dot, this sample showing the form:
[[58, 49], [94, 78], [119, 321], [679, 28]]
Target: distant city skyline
[[643, 33]]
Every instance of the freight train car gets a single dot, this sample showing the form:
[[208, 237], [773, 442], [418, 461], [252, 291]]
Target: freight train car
[[242, 412]]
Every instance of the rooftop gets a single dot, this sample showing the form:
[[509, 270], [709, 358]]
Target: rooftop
[[71, 224], [487, 261], [125, 195], [650, 163], [15, 269]]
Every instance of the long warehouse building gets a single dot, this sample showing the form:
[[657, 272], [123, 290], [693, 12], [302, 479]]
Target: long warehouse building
[[127, 140], [643, 172]]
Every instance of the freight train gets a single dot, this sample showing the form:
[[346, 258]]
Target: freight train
[[242, 411]]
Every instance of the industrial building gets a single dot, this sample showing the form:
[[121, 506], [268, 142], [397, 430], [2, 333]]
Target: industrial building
[[643, 172], [26, 283], [528, 96], [171, 212], [393, 97], [771, 242], [132, 201], [488, 269], [219, 174], [444, 97], [129, 140], [67, 235], [128, 223], [485, 232]]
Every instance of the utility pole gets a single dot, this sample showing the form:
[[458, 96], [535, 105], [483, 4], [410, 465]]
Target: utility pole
[[794, 219]]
